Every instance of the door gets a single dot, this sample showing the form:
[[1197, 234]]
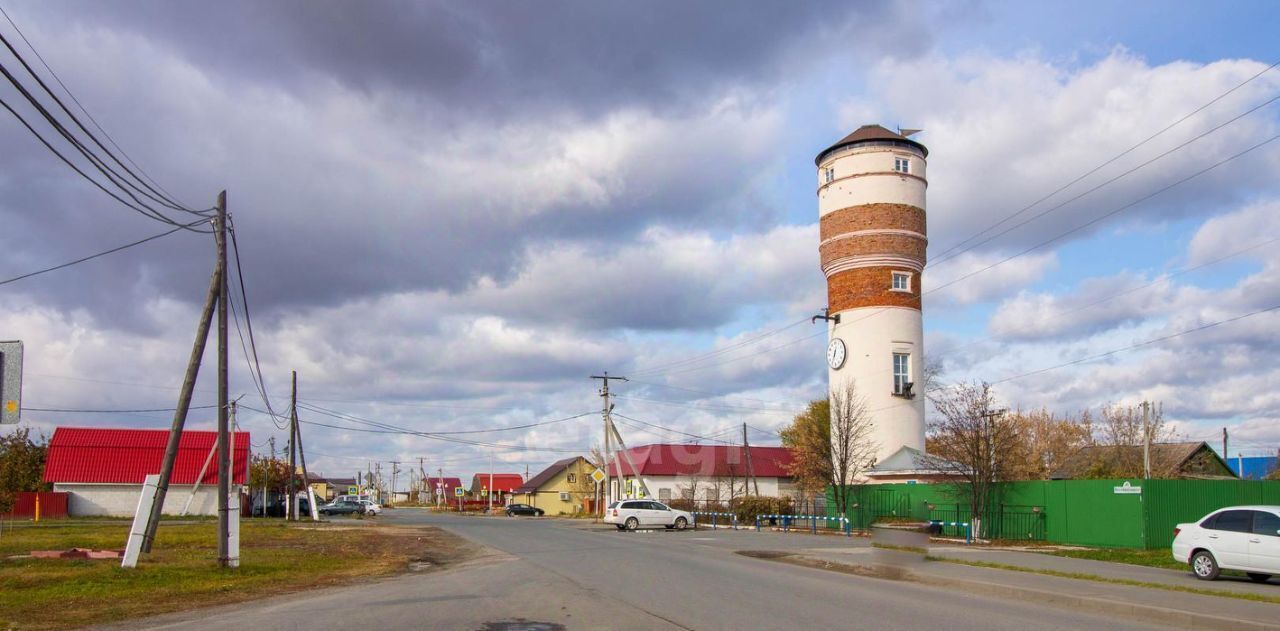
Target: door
[[1264, 545], [1229, 538], [650, 515], [661, 514]]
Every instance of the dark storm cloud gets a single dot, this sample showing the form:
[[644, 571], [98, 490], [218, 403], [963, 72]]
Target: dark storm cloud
[[510, 57]]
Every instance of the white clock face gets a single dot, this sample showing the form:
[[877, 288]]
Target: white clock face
[[835, 353]]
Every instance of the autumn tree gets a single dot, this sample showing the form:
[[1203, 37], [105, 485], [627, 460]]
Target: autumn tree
[[21, 465], [1122, 431], [809, 439], [973, 443], [1044, 442], [271, 474]]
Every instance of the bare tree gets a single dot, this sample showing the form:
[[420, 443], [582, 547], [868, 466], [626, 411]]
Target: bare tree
[[1121, 432], [853, 451], [1045, 442], [973, 443]]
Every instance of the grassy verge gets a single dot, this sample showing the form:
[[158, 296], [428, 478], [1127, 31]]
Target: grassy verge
[[1266, 598], [181, 572], [1148, 558]]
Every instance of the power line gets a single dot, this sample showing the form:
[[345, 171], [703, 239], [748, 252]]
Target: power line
[[707, 406], [138, 411], [99, 254], [1108, 162], [708, 437], [79, 104], [488, 430], [660, 368]]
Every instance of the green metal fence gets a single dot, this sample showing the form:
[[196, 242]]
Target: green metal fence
[[1108, 513]]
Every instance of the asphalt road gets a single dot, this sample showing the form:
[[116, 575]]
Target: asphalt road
[[566, 573]]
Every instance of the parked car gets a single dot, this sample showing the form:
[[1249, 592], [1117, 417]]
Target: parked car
[[633, 514], [342, 508], [370, 507], [1244, 538], [523, 509]]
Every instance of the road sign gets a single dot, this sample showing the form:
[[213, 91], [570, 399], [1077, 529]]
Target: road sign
[[598, 475], [1127, 489], [10, 382], [353, 490], [459, 491]]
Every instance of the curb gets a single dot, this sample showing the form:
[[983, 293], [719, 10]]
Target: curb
[[1132, 611]]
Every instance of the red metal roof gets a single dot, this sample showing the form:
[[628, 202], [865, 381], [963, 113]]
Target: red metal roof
[[704, 460], [504, 482], [127, 456], [449, 484]]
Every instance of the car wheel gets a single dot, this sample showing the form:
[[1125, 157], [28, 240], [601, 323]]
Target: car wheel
[[1259, 578], [681, 523], [1204, 566], [632, 523], [510, 514], [620, 527], [541, 513]]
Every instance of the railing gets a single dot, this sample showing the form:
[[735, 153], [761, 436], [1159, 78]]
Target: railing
[[813, 522], [715, 518], [1004, 521], [943, 525]]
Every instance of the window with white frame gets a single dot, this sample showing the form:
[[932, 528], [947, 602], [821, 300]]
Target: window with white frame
[[901, 281], [902, 165], [901, 372], [828, 174], [664, 495]]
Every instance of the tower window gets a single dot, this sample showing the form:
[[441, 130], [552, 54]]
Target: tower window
[[828, 174], [902, 374], [902, 165], [901, 281]]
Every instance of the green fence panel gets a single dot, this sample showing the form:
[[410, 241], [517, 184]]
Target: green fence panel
[[1173, 502]]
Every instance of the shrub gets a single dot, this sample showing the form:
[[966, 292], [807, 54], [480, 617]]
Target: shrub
[[747, 508]]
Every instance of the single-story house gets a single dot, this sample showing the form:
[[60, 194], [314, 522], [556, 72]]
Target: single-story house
[[502, 485], [102, 469], [441, 490], [1190, 460], [561, 489], [713, 473]]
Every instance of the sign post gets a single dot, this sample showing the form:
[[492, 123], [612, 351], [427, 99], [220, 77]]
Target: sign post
[[459, 492], [10, 382]]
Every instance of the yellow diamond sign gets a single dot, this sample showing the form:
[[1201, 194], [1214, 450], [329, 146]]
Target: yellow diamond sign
[[598, 475]]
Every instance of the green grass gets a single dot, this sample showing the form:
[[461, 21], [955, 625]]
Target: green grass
[[1266, 598], [181, 571], [1160, 558]]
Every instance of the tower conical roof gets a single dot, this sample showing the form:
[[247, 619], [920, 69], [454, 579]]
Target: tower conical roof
[[870, 133]]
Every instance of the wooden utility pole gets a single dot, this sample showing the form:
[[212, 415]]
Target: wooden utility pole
[[291, 512], [224, 442], [184, 405], [751, 472], [302, 454], [608, 447], [1146, 440]]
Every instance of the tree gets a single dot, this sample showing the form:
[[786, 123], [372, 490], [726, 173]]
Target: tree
[[852, 450], [1122, 431], [21, 465], [972, 442], [271, 473], [1045, 442], [809, 439]]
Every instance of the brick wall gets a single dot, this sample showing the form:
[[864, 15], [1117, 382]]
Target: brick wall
[[869, 287]]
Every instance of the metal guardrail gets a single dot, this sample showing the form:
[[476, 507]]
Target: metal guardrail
[[787, 519], [968, 535], [714, 518]]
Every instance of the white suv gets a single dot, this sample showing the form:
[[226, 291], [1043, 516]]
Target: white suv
[[1244, 538], [633, 514]]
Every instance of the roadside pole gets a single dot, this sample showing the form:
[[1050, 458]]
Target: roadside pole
[[224, 443]]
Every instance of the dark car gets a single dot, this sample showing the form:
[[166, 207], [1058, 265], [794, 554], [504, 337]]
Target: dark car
[[342, 508], [523, 509]]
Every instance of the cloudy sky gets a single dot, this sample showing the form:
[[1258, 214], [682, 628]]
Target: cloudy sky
[[450, 215]]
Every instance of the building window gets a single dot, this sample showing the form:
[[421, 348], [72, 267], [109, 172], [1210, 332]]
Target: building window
[[902, 165], [828, 174], [687, 493], [664, 495], [573, 478], [901, 281], [902, 374]]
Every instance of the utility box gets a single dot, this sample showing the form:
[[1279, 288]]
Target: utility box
[[10, 382]]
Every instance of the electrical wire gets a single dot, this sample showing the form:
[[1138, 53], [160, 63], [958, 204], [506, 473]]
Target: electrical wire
[[487, 430], [139, 411], [94, 256], [660, 368], [707, 437]]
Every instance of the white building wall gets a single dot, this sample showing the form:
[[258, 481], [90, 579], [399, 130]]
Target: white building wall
[[769, 487], [121, 500], [865, 176]]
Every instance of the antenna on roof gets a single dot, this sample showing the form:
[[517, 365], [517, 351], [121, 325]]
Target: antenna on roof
[[907, 133]]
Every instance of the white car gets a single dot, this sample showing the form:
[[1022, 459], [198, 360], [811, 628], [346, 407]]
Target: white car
[[1244, 538], [633, 514], [371, 507]]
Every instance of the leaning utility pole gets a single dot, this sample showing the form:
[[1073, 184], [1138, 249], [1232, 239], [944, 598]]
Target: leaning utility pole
[[302, 456], [224, 442], [608, 451], [746, 447], [184, 405]]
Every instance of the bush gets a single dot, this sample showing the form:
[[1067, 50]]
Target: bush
[[747, 508]]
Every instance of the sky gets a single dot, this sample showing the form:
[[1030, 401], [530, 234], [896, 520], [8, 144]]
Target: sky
[[451, 215]]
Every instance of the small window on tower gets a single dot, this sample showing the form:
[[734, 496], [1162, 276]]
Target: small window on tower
[[902, 165], [902, 374], [901, 281], [828, 174]]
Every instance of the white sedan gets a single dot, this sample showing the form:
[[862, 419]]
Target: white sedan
[[371, 507], [1243, 538], [633, 514]]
